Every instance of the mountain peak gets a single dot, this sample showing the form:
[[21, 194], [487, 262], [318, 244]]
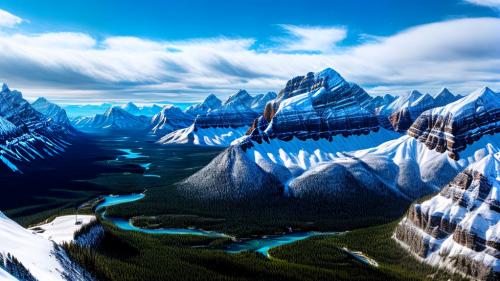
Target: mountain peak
[[332, 77], [115, 110], [5, 87], [212, 101], [130, 106], [414, 95], [484, 91], [240, 96], [41, 100]]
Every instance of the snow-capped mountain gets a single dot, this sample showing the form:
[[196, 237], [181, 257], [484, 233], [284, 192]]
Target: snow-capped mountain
[[52, 111], [380, 101], [260, 101], [25, 133], [318, 140], [148, 111], [222, 123], [169, 119], [210, 103], [235, 112], [114, 118], [458, 229], [452, 127], [315, 106], [403, 110], [316, 118], [33, 257], [204, 137], [445, 97]]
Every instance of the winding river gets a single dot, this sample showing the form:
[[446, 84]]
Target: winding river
[[261, 245]]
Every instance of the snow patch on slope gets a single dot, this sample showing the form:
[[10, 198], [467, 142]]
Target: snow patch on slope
[[205, 137], [62, 228]]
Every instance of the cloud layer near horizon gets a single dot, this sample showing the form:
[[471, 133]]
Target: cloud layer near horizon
[[461, 54]]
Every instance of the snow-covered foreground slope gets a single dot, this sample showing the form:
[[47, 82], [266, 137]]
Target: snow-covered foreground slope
[[459, 228], [62, 228], [5, 276], [43, 259], [208, 137]]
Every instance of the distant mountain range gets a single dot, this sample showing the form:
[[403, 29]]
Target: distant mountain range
[[115, 118], [218, 123]]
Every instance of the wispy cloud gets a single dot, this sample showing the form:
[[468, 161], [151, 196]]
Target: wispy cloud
[[486, 3], [461, 54], [311, 38], [9, 20]]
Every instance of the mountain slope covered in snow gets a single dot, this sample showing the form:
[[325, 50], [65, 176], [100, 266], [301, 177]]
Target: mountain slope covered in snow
[[459, 228], [25, 133], [52, 111], [42, 258]]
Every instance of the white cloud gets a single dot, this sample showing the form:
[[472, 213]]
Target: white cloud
[[486, 3], [312, 38], [9, 20], [461, 54]]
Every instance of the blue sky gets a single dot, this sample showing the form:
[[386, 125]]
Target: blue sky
[[148, 51]]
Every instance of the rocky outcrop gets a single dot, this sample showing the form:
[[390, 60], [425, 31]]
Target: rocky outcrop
[[451, 128], [458, 228]]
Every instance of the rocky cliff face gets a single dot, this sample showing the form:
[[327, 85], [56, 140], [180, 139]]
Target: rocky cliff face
[[451, 128], [315, 106], [458, 228]]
